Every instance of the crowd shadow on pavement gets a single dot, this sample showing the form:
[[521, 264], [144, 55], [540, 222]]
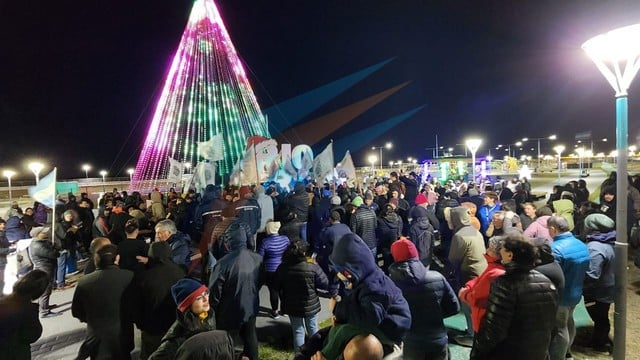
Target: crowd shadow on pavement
[[47, 345]]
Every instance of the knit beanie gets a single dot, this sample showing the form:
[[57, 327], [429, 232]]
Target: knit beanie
[[336, 200], [272, 227], [599, 222], [421, 199], [403, 250], [185, 292], [244, 190], [357, 201]]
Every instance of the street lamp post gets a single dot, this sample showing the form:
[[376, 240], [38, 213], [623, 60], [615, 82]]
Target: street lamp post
[[372, 160], [86, 168], [103, 173], [473, 145], [385, 146], [130, 172], [617, 56], [35, 168], [559, 149], [9, 174]]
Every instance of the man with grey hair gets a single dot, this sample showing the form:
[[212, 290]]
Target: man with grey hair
[[179, 242], [573, 257]]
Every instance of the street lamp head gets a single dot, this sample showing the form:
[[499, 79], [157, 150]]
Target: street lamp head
[[552, 137], [86, 167], [558, 149], [130, 171], [519, 143], [35, 167], [373, 159], [388, 145], [8, 173], [616, 54], [103, 173], [525, 139], [473, 144]]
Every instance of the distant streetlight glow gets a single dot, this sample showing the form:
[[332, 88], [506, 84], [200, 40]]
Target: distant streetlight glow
[[559, 149], [386, 146], [9, 174], [372, 160], [35, 168], [103, 173], [86, 168], [617, 56], [130, 171]]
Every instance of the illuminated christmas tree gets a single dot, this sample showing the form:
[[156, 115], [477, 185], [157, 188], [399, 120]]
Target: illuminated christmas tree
[[206, 96]]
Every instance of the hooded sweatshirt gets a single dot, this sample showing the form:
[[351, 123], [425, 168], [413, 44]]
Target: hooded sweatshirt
[[374, 301], [467, 245]]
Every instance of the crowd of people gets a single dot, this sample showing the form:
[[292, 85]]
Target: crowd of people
[[395, 257]]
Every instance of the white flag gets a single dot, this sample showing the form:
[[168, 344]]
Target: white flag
[[45, 191], [346, 170], [211, 149], [203, 175], [323, 163], [176, 169]]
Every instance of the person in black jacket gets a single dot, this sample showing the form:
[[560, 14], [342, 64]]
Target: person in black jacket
[[193, 316], [151, 297], [298, 202], [132, 251], [411, 187], [421, 234], [430, 298], [19, 316], [521, 308], [389, 230], [235, 283], [44, 257], [207, 345], [297, 281], [363, 223]]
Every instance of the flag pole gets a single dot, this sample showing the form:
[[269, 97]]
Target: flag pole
[[53, 209]]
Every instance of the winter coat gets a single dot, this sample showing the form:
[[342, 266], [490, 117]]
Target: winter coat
[[327, 239], [128, 250], [467, 246], [477, 294], [389, 230], [207, 345], [374, 300], [411, 189], [271, 250], [154, 307], [266, 207], [43, 255], [20, 327], [179, 332], [180, 249], [573, 256], [599, 282], [485, 214], [430, 299], [15, 229], [520, 317], [538, 228], [364, 223], [298, 202], [235, 283], [296, 282], [248, 211], [117, 221], [98, 301], [421, 235], [564, 208]]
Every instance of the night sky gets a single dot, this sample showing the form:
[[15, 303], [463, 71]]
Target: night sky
[[79, 80]]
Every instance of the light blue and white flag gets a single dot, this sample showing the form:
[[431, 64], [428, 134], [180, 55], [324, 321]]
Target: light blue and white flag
[[45, 191]]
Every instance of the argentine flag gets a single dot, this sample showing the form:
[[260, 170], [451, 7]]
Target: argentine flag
[[45, 191]]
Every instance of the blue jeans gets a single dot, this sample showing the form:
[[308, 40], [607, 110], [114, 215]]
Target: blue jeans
[[566, 331], [66, 264], [298, 325]]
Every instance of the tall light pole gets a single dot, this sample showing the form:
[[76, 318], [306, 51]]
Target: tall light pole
[[8, 174], [35, 168], [130, 172], [617, 56], [103, 173], [385, 146], [86, 168], [550, 137], [559, 149], [473, 145], [372, 160]]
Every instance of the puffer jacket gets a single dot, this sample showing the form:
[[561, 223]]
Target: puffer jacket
[[180, 244], [430, 299], [299, 202], [520, 316], [178, 333], [477, 294], [363, 223], [297, 281], [271, 250], [389, 230], [564, 208], [573, 256], [421, 235]]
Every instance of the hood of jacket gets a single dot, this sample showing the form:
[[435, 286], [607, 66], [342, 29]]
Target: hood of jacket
[[352, 254], [418, 212], [409, 272], [235, 236], [391, 220], [607, 238], [458, 218]]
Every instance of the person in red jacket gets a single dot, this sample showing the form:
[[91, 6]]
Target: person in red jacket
[[476, 291]]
